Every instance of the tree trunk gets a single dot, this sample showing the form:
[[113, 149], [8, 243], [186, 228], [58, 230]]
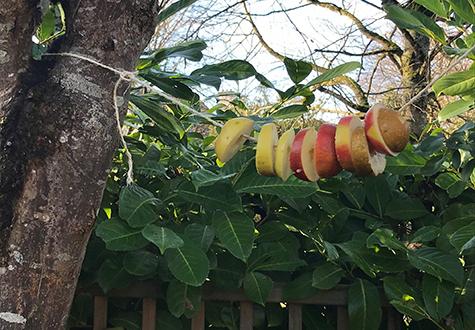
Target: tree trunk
[[415, 68], [57, 138]]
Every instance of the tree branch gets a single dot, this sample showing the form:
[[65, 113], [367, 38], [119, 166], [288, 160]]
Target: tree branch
[[343, 80], [388, 44]]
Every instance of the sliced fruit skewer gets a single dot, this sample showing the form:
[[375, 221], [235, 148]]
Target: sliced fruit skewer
[[231, 138], [282, 155], [302, 155], [386, 130], [326, 162], [343, 140], [365, 162], [265, 149]]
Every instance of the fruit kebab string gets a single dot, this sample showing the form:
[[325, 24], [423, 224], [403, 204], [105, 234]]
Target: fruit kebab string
[[354, 145]]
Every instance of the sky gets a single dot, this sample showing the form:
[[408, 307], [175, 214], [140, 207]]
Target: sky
[[228, 37]]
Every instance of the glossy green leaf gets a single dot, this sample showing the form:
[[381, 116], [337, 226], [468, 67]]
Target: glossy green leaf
[[464, 238], [182, 298], [188, 264], [455, 108], [463, 9], [231, 70], [438, 296], [300, 287], [204, 178], [378, 193], [290, 111], [425, 234], [236, 233], [118, 236], [406, 163], [456, 83], [173, 9], [404, 298], [436, 6], [216, 197], [333, 73], [297, 70], [164, 238], [437, 263], [405, 209], [386, 238], [112, 274], [364, 306], [172, 87], [203, 235], [257, 287], [327, 276], [355, 194], [138, 206], [140, 263], [191, 50]]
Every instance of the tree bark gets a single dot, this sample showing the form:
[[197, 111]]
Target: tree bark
[[57, 138]]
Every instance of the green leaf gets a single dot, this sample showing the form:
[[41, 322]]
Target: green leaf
[[425, 234], [152, 108], [182, 298], [162, 237], [203, 178], [191, 50], [231, 70], [364, 306], [437, 263], [137, 206], [140, 263], [333, 73], [404, 298], [436, 6], [173, 9], [378, 193], [165, 321], [251, 182], [47, 26], [406, 163], [463, 9], [357, 251], [120, 237], [438, 296], [112, 274], [386, 238], [355, 194], [188, 264], [405, 209], [172, 87], [125, 320], [457, 83], [257, 287], [236, 233], [275, 256], [299, 288], [464, 238], [297, 70], [290, 111], [327, 276], [201, 235], [451, 182], [455, 109], [216, 197]]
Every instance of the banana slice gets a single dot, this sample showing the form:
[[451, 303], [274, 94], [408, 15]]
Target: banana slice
[[231, 138], [282, 155], [265, 151]]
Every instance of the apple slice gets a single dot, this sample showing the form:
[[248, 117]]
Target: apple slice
[[282, 155], [325, 156], [265, 150], [231, 138], [365, 162], [343, 140], [387, 132], [301, 155]]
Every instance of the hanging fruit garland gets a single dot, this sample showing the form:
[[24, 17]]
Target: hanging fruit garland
[[354, 145]]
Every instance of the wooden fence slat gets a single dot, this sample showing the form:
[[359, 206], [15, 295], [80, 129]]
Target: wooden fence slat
[[100, 313], [246, 315], [149, 313], [198, 321], [342, 318], [295, 317]]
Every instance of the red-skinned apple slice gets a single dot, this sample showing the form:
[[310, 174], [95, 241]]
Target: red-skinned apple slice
[[364, 161], [282, 155], [302, 155], [326, 162], [343, 140], [387, 132]]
